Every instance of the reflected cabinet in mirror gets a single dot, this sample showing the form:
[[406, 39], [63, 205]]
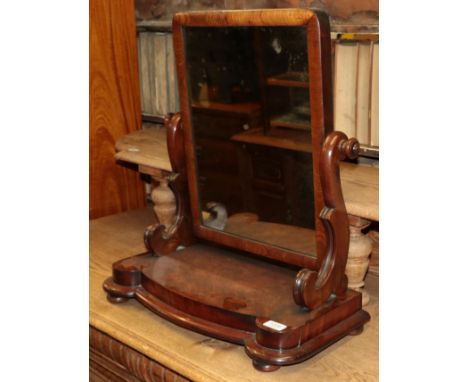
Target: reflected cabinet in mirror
[[257, 251], [257, 121], [249, 102]]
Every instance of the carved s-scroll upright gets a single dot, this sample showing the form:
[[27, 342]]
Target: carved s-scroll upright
[[312, 288], [160, 239]]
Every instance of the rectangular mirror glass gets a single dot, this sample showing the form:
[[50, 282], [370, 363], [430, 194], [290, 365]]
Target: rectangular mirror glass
[[250, 112]]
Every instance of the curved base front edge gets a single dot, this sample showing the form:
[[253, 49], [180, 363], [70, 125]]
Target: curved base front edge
[[270, 347]]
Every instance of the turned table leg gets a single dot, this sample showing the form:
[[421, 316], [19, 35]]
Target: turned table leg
[[164, 201], [360, 248]]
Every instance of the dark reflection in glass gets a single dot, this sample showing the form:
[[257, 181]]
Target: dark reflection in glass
[[251, 124]]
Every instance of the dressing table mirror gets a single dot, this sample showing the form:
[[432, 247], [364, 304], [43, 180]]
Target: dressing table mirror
[[257, 250]]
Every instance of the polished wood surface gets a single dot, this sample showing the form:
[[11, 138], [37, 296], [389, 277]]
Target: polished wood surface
[[114, 106], [193, 355], [360, 183], [320, 90], [160, 239], [282, 306], [242, 290], [258, 17], [194, 287], [313, 288]]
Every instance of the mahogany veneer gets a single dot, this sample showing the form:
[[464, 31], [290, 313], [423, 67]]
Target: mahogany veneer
[[282, 305], [234, 302]]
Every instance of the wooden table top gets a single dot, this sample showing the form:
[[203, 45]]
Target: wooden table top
[[360, 183], [193, 355], [146, 147]]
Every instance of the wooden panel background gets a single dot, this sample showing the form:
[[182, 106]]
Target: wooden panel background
[[114, 105]]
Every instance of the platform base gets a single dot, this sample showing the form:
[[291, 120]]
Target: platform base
[[238, 299]]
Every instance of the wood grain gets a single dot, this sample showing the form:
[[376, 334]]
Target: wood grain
[[193, 355], [320, 90], [147, 147], [114, 106], [111, 360], [312, 289], [256, 17], [232, 296], [148, 277]]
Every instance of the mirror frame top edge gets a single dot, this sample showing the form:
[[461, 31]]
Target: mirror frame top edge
[[245, 18], [253, 18]]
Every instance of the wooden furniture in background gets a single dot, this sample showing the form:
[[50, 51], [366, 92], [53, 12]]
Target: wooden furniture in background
[[356, 89], [129, 339], [114, 106], [361, 189], [355, 59], [225, 285], [147, 148], [219, 175], [157, 73], [360, 247]]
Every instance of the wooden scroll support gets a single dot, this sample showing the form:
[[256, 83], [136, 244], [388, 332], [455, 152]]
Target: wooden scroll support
[[241, 310], [312, 289], [160, 239], [214, 287], [334, 311]]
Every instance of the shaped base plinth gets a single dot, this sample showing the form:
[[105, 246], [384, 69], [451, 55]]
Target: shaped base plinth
[[235, 298]]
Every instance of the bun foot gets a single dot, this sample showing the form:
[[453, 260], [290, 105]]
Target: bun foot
[[116, 299], [261, 366], [357, 331]]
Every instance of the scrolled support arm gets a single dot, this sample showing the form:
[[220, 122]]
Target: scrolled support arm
[[313, 288], [158, 238]]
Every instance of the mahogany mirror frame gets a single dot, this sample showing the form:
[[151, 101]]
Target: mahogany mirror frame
[[310, 309], [321, 109]]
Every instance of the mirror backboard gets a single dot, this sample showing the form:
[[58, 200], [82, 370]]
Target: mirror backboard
[[254, 131]]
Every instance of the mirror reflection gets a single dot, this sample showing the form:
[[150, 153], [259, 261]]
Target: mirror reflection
[[251, 130]]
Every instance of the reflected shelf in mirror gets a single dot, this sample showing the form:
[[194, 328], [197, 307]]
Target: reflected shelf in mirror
[[280, 138], [251, 127], [290, 79]]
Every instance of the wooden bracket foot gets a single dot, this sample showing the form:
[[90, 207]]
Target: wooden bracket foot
[[261, 366]]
